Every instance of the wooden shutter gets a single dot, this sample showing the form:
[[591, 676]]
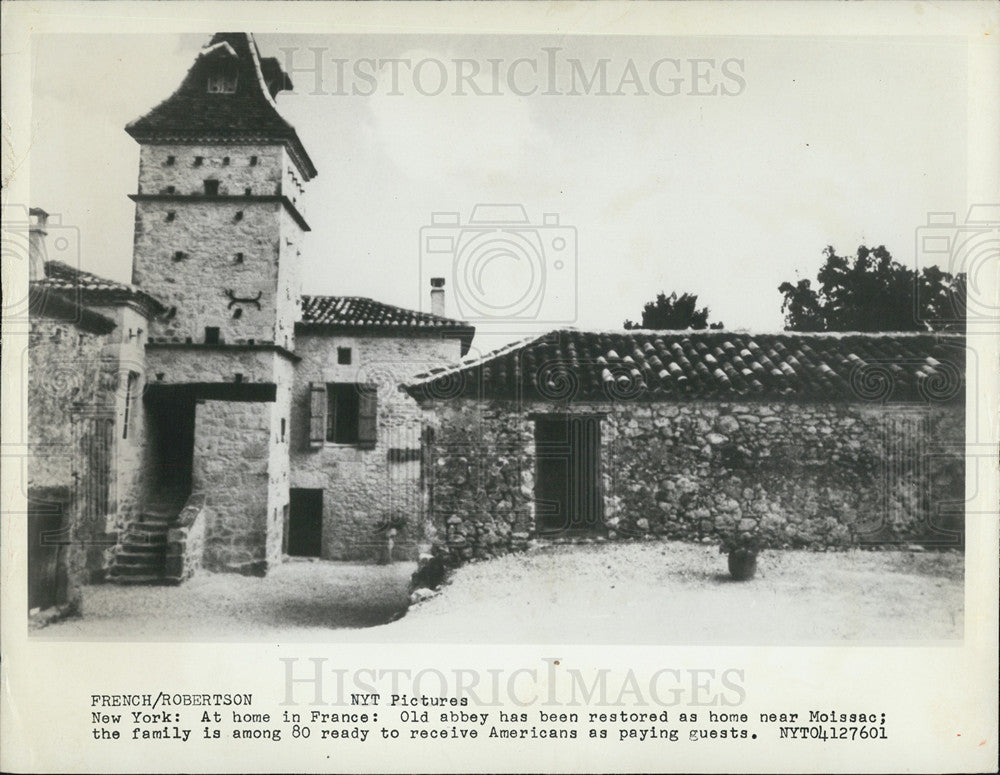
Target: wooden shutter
[[317, 414], [367, 416]]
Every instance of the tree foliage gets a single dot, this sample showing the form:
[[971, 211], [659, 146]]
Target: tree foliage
[[674, 312], [871, 292]]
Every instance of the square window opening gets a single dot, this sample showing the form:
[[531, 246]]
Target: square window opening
[[211, 188], [211, 335], [344, 356]]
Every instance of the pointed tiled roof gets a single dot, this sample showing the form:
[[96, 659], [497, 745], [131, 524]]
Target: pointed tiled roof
[[359, 312], [93, 290], [572, 365], [249, 114]]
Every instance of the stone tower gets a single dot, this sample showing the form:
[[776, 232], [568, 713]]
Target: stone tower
[[218, 234]]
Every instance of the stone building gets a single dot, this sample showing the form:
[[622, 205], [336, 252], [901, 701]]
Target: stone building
[[802, 440], [211, 415], [250, 420]]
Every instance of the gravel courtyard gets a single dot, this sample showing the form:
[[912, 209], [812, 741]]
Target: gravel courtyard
[[676, 593], [656, 592], [298, 600]]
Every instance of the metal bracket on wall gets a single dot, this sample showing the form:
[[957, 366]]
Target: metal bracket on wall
[[234, 299]]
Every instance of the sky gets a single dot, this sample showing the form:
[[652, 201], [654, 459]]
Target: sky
[[805, 142]]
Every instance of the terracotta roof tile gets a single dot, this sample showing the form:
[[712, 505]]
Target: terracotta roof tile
[[676, 365], [91, 289], [363, 313]]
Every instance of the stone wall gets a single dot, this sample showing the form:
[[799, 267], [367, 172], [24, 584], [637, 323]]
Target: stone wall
[[231, 456], [227, 247], [796, 474], [363, 486]]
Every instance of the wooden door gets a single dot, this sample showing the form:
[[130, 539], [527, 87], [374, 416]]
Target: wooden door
[[305, 523], [568, 493]]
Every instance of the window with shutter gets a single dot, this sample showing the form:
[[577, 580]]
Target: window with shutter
[[367, 415], [317, 414]]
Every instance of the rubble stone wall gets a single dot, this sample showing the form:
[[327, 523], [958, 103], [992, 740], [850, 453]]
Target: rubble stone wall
[[362, 487], [810, 475]]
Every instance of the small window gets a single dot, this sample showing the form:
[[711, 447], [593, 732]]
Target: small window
[[342, 408], [211, 188], [198, 161], [344, 356], [171, 215], [225, 161], [130, 393], [247, 191], [238, 216], [179, 255], [253, 161], [237, 378], [282, 428], [170, 190], [222, 80], [171, 160], [238, 258], [211, 335]]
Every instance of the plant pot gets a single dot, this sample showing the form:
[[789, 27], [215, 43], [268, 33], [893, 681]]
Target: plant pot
[[742, 564]]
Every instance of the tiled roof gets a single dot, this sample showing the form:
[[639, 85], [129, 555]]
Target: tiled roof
[[91, 289], [249, 114], [676, 365], [359, 312]]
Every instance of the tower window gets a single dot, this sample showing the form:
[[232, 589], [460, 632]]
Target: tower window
[[239, 215], [211, 188], [211, 335], [222, 80], [344, 356], [253, 161], [170, 190], [179, 255], [225, 161], [238, 258], [170, 161], [171, 215], [198, 161], [246, 191], [282, 428]]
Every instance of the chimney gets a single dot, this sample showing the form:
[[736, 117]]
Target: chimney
[[437, 296], [37, 256]]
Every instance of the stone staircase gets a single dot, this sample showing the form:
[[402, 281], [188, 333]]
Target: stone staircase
[[140, 557]]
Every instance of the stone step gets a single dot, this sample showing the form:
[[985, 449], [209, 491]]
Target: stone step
[[143, 579], [136, 569], [146, 533], [131, 556], [143, 547]]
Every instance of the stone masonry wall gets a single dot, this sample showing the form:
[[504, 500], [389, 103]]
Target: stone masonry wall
[[796, 474], [231, 455], [228, 247], [362, 486]]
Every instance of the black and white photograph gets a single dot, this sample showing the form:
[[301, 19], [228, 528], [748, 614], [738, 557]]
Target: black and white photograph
[[628, 378]]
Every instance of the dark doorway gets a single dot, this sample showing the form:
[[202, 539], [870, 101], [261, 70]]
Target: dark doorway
[[568, 495], [305, 523], [48, 542], [171, 416]]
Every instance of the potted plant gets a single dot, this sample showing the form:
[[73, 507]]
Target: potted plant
[[742, 546], [389, 526]]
